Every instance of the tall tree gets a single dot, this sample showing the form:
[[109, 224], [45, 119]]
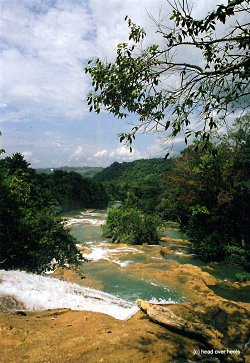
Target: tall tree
[[211, 195], [238, 138], [31, 232], [206, 91]]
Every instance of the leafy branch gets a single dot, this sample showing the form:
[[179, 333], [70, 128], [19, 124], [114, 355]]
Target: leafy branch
[[202, 94]]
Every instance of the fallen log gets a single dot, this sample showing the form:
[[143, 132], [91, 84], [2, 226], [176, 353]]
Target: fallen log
[[164, 316], [202, 333]]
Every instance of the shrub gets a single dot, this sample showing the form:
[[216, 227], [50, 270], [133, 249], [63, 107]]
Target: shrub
[[243, 276], [126, 224]]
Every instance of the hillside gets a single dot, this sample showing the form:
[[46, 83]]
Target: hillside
[[138, 171], [85, 171]]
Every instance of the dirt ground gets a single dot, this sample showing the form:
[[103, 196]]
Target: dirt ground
[[60, 336]]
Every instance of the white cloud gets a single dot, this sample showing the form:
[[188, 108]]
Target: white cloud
[[120, 154], [77, 154], [27, 154], [123, 154], [41, 62], [47, 44], [155, 151], [45, 47], [100, 154]]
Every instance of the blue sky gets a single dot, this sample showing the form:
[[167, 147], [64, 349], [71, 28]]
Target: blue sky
[[45, 45]]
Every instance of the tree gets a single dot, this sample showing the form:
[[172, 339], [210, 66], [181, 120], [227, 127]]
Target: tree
[[2, 151], [206, 91], [238, 138], [210, 195], [31, 232], [126, 224]]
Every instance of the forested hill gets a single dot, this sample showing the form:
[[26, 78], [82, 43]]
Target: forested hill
[[138, 171], [85, 171]]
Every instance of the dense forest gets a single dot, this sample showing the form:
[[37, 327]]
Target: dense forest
[[206, 190], [85, 171], [31, 231], [139, 171], [141, 177]]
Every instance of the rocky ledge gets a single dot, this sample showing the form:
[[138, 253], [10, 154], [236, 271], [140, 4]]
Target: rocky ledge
[[219, 330], [176, 333], [206, 329]]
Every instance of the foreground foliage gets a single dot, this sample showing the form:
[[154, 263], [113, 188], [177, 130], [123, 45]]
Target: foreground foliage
[[166, 90], [31, 232]]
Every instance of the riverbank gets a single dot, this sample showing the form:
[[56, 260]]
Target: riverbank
[[160, 334], [208, 327], [63, 335]]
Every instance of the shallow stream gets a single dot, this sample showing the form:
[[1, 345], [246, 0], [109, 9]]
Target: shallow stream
[[114, 278], [110, 261]]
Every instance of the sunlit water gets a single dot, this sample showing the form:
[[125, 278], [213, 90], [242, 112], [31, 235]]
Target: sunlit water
[[39, 293], [110, 260], [120, 290], [120, 286]]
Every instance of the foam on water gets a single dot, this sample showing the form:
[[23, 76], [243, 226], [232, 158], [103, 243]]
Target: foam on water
[[110, 254], [161, 301], [90, 221], [90, 213], [40, 293]]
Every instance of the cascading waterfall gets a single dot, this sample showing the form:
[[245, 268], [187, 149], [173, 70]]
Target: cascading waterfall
[[35, 292], [39, 293]]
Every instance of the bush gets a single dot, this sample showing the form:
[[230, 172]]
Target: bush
[[236, 255], [211, 248], [243, 276], [126, 224]]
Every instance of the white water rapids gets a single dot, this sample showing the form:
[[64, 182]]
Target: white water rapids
[[109, 261], [39, 293]]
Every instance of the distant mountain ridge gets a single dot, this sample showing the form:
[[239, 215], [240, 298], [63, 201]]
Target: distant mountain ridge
[[138, 171], [142, 171], [85, 171]]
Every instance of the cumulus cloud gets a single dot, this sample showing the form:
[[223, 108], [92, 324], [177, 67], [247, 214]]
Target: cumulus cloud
[[155, 151], [77, 154], [123, 153], [45, 47], [42, 58], [120, 154], [100, 154]]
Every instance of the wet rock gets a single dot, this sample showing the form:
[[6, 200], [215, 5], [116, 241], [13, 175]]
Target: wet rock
[[177, 240], [59, 312], [72, 276], [9, 303], [206, 360], [190, 281]]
